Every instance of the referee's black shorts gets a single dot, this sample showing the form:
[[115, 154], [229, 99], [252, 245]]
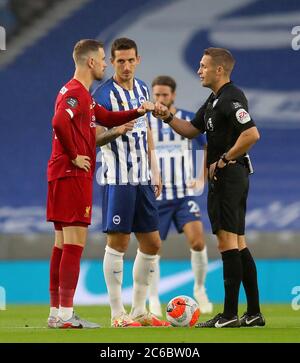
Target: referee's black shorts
[[227, 199]]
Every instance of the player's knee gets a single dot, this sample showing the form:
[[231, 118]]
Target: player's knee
[[152, 247], [119, 246], [118, 242], [155, 246], [197, 244]]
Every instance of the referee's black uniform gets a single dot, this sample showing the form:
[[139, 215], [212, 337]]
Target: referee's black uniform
[[230, 132], [223, 117]]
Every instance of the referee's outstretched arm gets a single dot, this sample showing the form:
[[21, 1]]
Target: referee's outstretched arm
[[184, 128]]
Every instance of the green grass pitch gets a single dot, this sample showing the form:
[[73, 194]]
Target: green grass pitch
[[26, 323]]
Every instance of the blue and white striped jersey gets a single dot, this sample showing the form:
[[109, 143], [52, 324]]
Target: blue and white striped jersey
[[176, 157], [124, 160]]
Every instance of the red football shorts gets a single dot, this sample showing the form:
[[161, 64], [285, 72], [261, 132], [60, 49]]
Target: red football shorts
[[70, 200]]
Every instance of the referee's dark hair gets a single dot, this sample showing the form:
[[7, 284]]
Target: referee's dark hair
[[221, 57], [165, 81]]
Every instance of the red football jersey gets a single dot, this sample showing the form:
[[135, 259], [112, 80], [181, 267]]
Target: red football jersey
[[77, 101], [74, 129]]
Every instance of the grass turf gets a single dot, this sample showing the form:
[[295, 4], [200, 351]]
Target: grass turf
[[26, 323]]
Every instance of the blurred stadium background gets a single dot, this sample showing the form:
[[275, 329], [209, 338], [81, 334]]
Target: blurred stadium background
[[171, 35]]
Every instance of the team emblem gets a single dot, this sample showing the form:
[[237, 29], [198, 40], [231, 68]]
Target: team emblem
[[142, 99], [87, 212], [116, 219]]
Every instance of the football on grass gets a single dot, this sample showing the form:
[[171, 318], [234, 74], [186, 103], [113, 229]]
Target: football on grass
[[182, 311]]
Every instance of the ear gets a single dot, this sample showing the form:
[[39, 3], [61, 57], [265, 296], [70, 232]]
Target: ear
[[111, 60], [90, 62], [220, 69], [173, 96], [138, 59]]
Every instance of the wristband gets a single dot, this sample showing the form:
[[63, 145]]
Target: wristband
[[169, 119], [223, 158]]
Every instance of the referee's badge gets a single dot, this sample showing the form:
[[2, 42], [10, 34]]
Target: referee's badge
[[242, 116], [210, 125]]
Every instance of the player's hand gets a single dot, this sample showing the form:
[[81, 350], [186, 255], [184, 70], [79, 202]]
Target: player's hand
[[196, 184], [82, 162], [157, 187], [157, 190], [213, 168], [161, 111], [146, 106], [212, 171], [123, 129]]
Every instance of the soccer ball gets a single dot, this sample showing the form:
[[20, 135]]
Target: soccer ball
[[182, 311]]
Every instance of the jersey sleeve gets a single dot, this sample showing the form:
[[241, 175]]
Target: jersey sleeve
[[71, 102], [61, 124], [114, 118], [198, 120], [200, 140], [236, 111]]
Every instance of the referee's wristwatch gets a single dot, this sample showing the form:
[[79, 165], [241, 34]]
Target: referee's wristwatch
[[223, 158], [169, 119]]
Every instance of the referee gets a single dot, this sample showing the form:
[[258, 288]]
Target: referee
[[230, 133]]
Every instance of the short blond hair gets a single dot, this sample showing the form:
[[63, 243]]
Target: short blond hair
[[84, 47], [221, 57]]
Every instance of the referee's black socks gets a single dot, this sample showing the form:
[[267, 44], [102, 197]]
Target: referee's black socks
[[249, 280], [232, 274]]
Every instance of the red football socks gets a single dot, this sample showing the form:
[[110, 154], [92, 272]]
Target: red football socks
[[54, 276], [69, 273]]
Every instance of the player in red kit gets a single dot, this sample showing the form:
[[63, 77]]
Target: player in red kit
[[70, 176]]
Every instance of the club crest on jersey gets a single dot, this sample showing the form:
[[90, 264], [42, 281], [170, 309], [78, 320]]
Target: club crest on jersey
[[209, 125], [87, 211], [142, 99], [134, 102]]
